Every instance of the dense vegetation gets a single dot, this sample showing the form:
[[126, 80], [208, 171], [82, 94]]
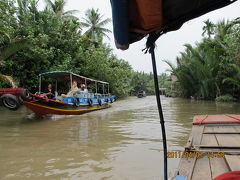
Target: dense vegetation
[[211, 69], [33, 41]]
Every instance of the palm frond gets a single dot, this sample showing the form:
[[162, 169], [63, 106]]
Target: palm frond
[[11, 48], [104, 22], [71, 12], [232, 81], [9, 79], [173, 68], [85, 24]]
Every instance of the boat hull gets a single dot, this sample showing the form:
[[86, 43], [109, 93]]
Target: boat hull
[[44, 108]]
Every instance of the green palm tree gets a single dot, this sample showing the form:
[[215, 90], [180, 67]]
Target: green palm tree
[[58, 8], [208, 28], [22, 6], [196, 72], [222, 29], [235, 80], [25, 8], [95, 23]]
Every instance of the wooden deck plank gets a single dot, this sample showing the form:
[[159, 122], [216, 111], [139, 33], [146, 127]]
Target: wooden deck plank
[[233, 162], [186, 167], [208, 129], [218, 146], [222, 129], [218, 166], [228, 124], [202, 169], [209, 139], [216, 150], [237, 128], [225, 129], [221, 133], [228, 139], [197, 131]]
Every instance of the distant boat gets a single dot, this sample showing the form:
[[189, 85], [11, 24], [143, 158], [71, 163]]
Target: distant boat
[[81, 102], [141, 94]]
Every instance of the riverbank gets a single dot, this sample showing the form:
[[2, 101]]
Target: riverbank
[[224, 98]]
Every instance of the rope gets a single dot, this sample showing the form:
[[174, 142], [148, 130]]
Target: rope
[[151, 50]]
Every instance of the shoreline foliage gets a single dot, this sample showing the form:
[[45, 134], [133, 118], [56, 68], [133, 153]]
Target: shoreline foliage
[[211, 68], [52, 39]]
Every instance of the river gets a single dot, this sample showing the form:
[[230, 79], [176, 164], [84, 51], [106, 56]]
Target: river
[[122, 142]]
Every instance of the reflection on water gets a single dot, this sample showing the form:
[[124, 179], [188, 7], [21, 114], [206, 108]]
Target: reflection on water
[[122, 142]]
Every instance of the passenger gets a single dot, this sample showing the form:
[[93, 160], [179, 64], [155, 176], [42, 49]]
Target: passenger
[[73, 90], [49, 92], [83, 88], [90, 90], [71, 93]]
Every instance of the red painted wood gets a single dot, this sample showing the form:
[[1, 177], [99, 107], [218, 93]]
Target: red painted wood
[[216, 119], [14, 91]]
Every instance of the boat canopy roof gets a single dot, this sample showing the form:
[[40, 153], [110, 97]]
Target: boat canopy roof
[[66, 75], [133, 20]]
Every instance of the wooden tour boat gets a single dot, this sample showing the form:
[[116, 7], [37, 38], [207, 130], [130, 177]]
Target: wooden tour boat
[[141, 94], [81, 102], [212, 151]]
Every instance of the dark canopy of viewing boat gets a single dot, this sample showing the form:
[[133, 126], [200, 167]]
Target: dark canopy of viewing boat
[[68, 76], [135, 19]]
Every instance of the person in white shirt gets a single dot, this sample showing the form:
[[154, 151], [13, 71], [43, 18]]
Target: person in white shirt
[[83, 88]]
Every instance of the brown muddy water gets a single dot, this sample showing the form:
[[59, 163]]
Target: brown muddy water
[[121, 142]]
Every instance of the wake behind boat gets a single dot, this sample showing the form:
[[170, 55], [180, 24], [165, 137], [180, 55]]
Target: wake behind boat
[[75, 102]]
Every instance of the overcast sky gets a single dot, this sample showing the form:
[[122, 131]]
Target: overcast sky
[[168, 46]]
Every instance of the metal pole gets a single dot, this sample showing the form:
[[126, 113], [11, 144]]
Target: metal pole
[[159, 110], [56, 89], [103, 89], [39, 86], [96, 87], [86, 83], [108, 89], [71, 80]]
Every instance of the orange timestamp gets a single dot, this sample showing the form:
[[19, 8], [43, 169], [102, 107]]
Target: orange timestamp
[[195, 154]]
